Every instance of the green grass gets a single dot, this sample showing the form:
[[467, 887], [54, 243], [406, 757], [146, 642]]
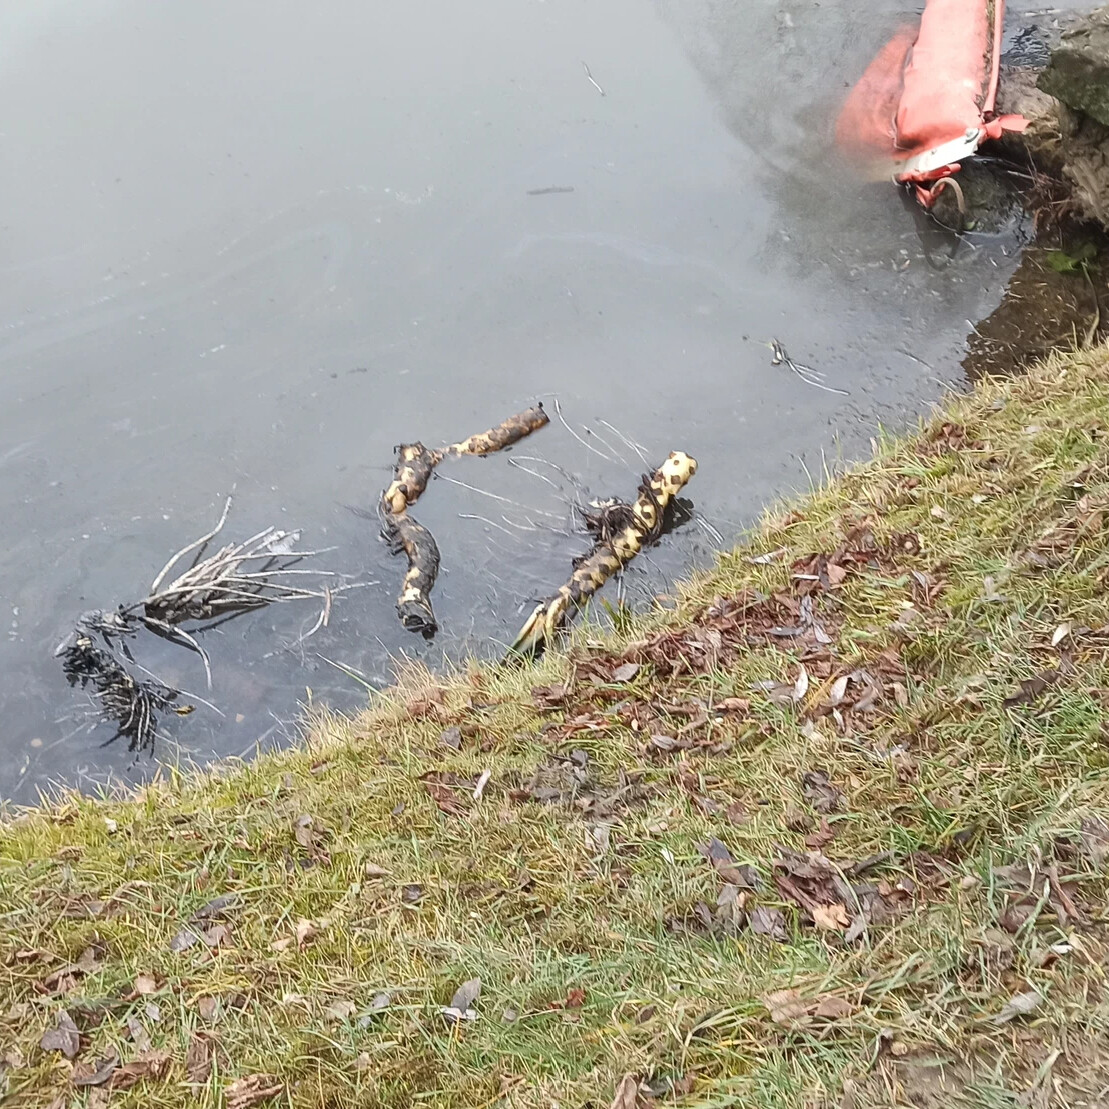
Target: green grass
[[593, 920]]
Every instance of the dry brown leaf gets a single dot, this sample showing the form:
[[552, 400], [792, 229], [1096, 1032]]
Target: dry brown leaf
[[341, 1010], [627, 1093], [219, 935], [737, 813], [1031, 688], [151, 1064], [830, 918], [86, 964], [145, 984], [833, 1008], [820, 792], [768, 922], [63, 1037], [139, 1035], [626, 672], [253, 1090], [786, 1006], [86, 1074], [302, 830], [198, 1059], [822, 836], [208, 1008], [306, 931], [446, 800]]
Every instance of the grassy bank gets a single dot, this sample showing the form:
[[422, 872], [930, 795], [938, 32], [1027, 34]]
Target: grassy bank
[[830, 832]]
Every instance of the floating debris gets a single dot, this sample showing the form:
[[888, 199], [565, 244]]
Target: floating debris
[[97, 655], [414, 467], [622, 531], [806, 373]]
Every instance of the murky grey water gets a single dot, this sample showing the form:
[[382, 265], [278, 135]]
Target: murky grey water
[[256, 245]]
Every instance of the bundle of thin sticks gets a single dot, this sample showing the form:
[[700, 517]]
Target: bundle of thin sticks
[[239, 577], [414, 468], [622, 531]]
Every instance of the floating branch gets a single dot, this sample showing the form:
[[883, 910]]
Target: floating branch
[[414, 467], [621, 531], [236, 578]]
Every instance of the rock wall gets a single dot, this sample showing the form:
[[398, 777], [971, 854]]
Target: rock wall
[[1068, 105]]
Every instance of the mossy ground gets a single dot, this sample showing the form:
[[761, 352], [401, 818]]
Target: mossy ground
[[798, 840]]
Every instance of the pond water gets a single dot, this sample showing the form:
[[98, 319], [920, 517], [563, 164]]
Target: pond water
[[254, 246]]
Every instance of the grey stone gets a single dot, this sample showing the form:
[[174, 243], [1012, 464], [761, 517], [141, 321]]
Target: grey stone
[[1078, 73]]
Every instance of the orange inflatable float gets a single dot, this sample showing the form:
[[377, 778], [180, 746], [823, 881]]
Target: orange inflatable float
[[926, 102]]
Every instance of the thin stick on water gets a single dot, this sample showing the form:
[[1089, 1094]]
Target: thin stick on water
[[494, 496], [486, 520], [599, 454], [710, 531], [535, 473], [807, 374], [178, 635], [201, 542], [589, 77], [601, 439], [637, 447]]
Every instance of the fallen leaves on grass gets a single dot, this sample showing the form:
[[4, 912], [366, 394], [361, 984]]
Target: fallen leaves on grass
[[198, 1059], [63, 1037], [461, 1006], [820, 792], [627, 1093], [89, 1074], [792, 1009], [1031, 688], [306, 931], [770, 922], [1019, 1005], [439, 786], [820, 839], [145, 984], [62, 979], [828, 895], [252, 1090], [139, 1035], [720, 858], [149, 1064], [341, 1010]]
